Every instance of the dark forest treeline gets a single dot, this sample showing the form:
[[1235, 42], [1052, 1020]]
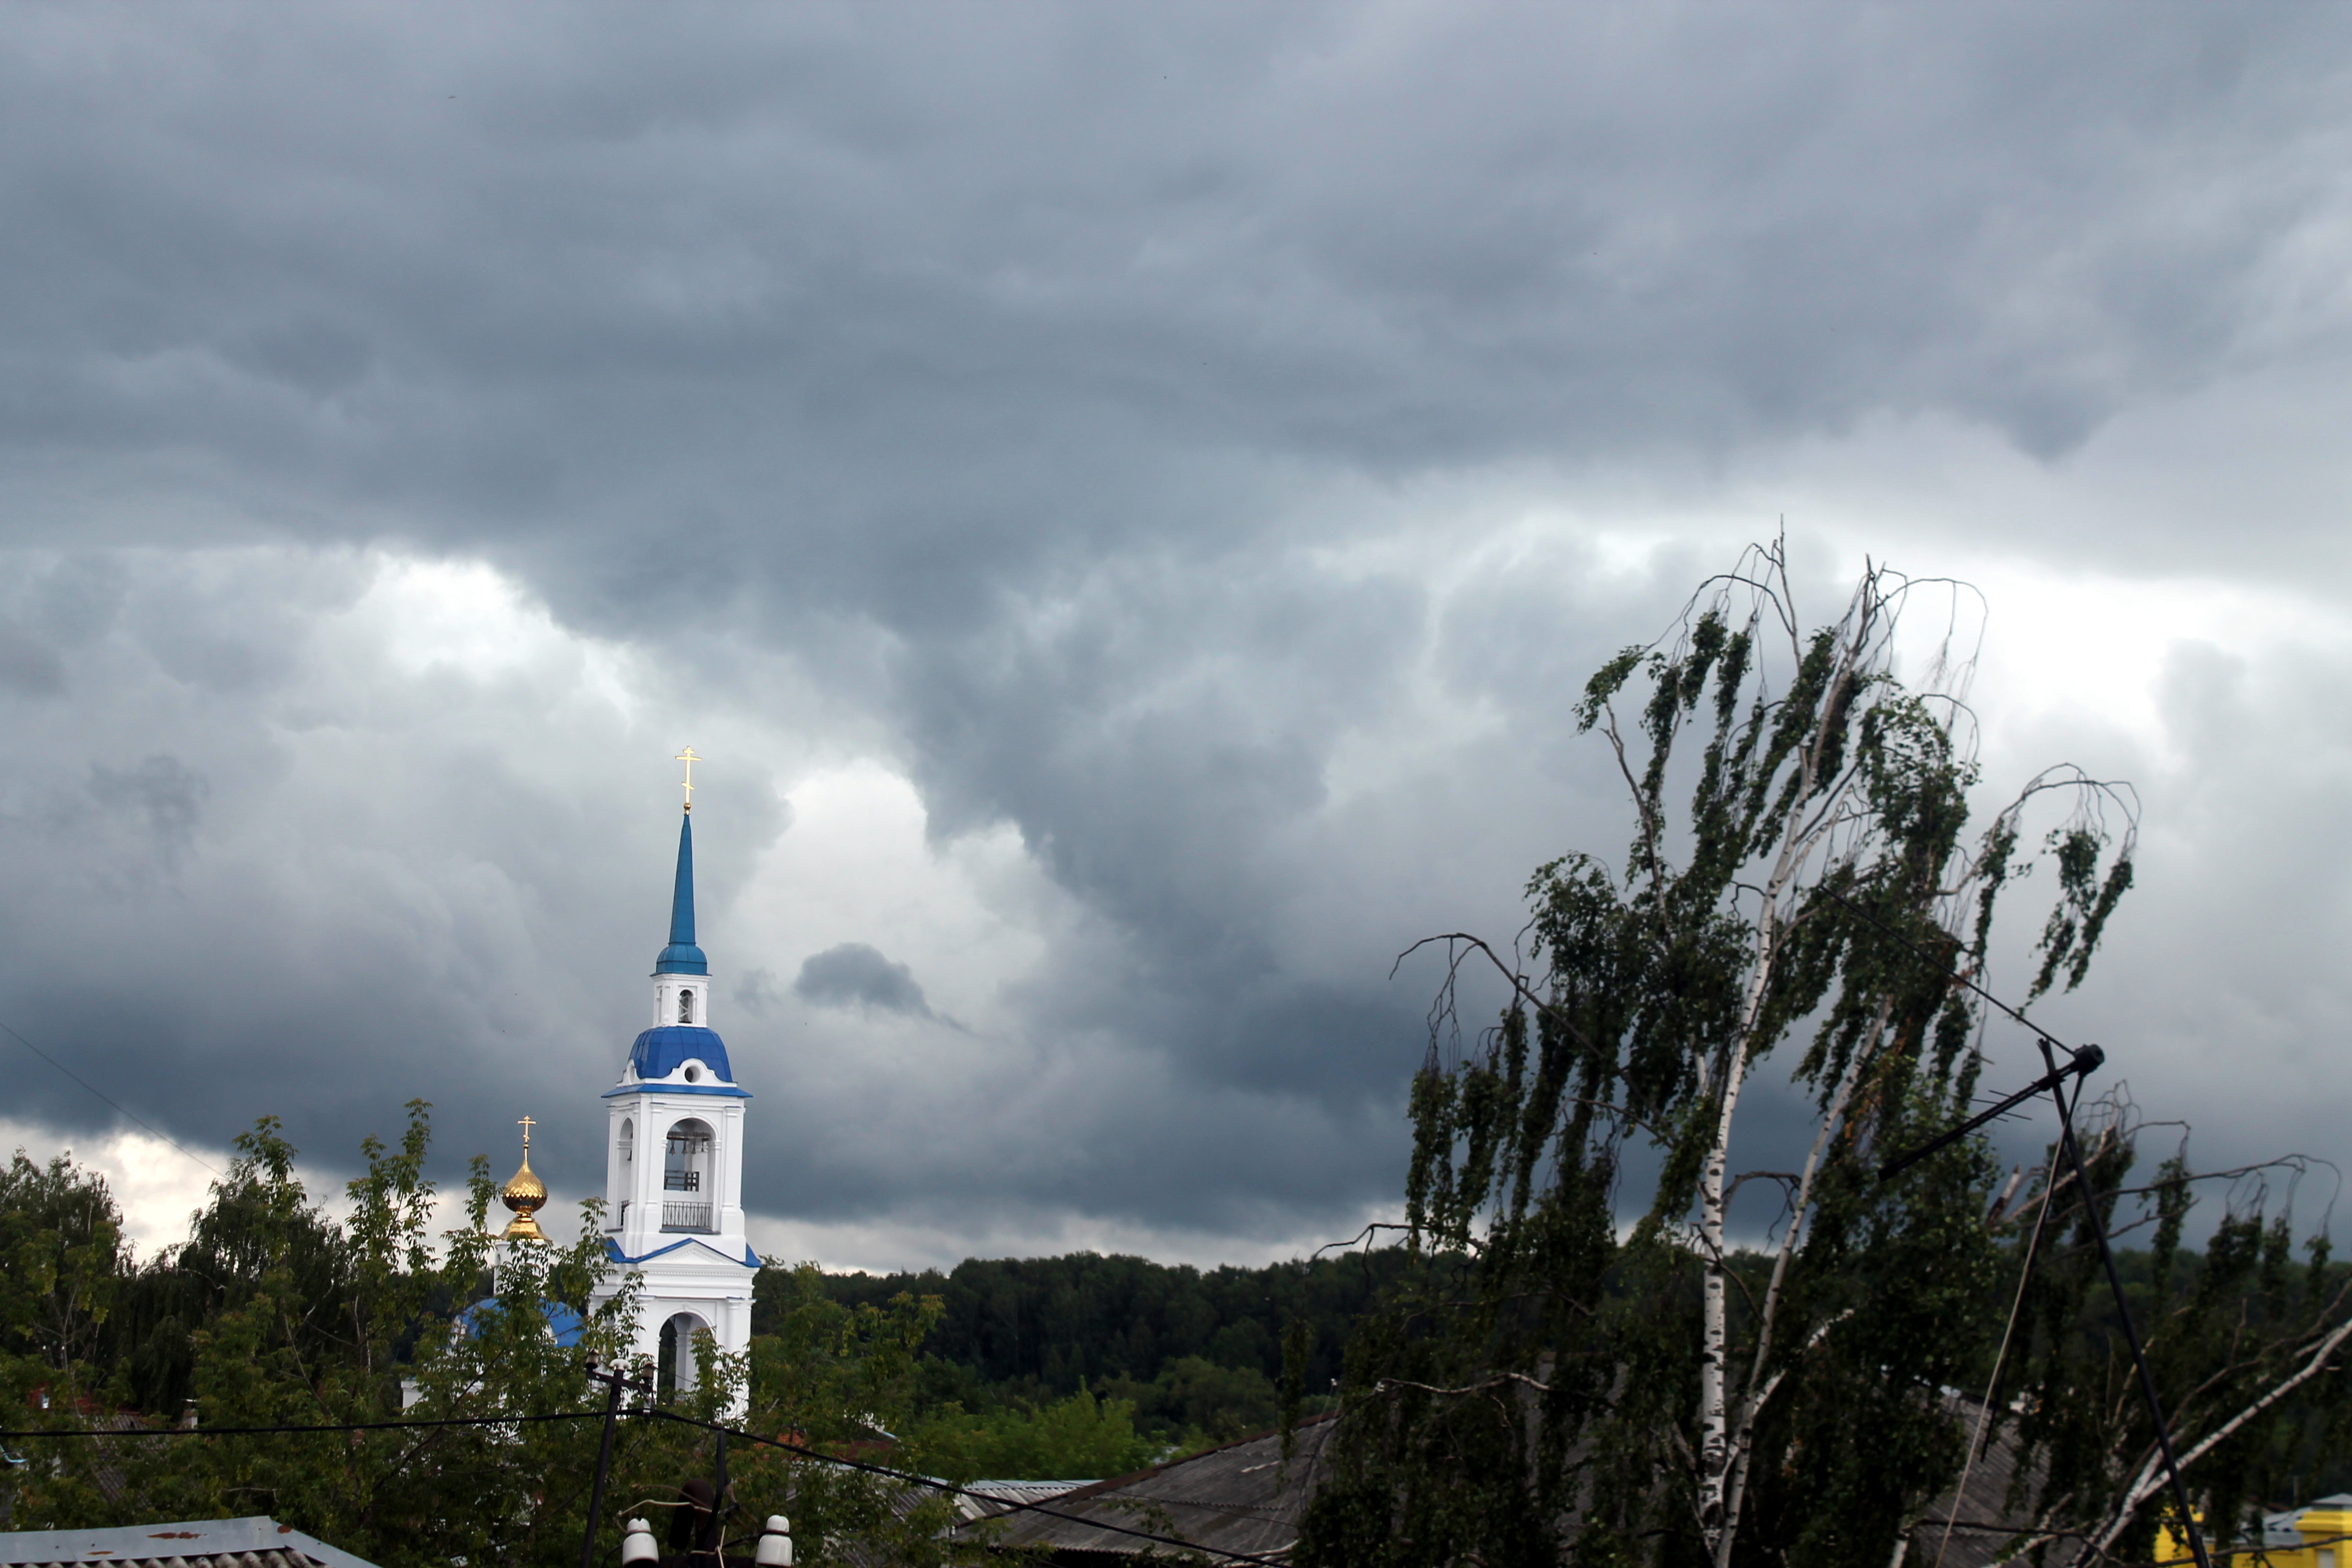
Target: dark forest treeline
[[1056, 1321], [1201, 1350], [1197, 1351]]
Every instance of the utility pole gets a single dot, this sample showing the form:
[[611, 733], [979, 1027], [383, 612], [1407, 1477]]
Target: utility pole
[[614, 1382]]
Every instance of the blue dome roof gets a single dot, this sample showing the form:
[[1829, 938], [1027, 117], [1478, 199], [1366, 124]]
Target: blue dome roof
[[563, 1322], [661, 1052]]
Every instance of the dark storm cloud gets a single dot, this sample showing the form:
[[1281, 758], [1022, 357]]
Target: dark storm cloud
[[1024, 378], [904, 313], [855, 974]]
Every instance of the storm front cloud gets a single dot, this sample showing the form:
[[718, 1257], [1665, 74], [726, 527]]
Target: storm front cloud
[[1125, 501]]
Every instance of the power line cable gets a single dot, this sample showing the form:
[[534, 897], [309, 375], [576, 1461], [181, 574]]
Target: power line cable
[[108, 1098], [327, 1426], [1218, 1552], [1010, 1504]]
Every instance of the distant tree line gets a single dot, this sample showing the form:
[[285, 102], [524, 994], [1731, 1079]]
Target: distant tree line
[[1194, 1356]]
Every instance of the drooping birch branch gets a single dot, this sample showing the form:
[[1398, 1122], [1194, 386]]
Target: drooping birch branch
[[2145, 1484]]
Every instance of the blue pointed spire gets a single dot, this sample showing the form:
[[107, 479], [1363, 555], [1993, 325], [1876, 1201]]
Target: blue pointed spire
[[681, 956]]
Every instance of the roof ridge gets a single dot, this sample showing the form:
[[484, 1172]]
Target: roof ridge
[[1099, 1487]]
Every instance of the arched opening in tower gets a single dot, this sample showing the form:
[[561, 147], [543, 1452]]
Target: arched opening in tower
[[688, 1165], [675, 1369]]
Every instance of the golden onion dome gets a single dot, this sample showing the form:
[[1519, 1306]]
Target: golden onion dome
[[525, 1194]]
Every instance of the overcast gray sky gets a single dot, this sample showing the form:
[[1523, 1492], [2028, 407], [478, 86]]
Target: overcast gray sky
[[1124, 498]]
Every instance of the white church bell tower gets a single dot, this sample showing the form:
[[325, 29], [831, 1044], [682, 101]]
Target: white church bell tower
[[673, 1155]]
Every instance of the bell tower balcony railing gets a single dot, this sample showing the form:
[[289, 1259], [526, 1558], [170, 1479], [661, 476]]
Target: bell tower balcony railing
[[686, 1217]]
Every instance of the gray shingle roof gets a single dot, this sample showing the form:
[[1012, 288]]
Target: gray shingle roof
[[1240, 1498], [1973, 1524]]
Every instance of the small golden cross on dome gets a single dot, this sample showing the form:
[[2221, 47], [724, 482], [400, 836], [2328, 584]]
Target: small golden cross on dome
[[689, 759], [526, 1123]]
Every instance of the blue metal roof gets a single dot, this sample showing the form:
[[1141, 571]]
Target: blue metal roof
[[612, 1250], [660, 1052], [681, 956]]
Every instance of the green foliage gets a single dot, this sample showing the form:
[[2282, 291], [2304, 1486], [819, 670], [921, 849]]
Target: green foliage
[[1195, 1358], [833, 1372], [273, 1313], [61, 1254], [2246, 1344], [1195, 1404], [1080, 1437]]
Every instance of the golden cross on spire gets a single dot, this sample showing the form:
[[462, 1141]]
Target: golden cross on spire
[[689, 759], [526, 1123]]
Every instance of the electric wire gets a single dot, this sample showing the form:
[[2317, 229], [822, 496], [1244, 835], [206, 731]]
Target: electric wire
[[108, 1098], [1009, 1504], [327, 1426], [1225, 1553]]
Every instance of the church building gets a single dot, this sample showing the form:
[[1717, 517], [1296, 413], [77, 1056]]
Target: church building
[[674, 1155]]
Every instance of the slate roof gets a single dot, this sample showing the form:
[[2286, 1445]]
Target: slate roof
[[1975, 1512], [985, 1500], [258, 1542], [1241, 1498]]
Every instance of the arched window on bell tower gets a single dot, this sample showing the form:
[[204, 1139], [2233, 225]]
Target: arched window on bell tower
[[689, 1165], [686, 1003]]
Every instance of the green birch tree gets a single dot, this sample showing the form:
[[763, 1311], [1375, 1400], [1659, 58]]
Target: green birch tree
[[1577, 1373]]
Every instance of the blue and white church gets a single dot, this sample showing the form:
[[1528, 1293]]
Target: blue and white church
[[674, 1156]]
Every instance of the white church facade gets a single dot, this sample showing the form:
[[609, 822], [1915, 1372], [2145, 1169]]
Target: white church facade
[[674, 1157]]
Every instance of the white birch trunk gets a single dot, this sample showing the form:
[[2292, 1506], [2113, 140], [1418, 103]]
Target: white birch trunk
[[1743, 1429], [1713, 1388], [1718, 1521]]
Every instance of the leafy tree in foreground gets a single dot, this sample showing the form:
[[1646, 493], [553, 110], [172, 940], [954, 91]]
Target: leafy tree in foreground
[[275, 1313], [1565, 1379], [2247, 1346]]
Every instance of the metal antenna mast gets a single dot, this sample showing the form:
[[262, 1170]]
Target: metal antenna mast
[[2079, 1064]]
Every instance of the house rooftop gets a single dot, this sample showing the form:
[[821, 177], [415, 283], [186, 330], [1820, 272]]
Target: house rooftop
[[1243, 1498], [258, 1542]]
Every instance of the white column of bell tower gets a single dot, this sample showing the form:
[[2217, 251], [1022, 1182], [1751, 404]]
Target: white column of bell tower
[[699, 1268]]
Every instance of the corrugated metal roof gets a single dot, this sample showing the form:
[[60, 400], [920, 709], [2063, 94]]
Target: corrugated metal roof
[[985, 1500], [258, 1542]]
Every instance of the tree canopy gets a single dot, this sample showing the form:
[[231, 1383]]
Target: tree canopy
[[275, 1314]]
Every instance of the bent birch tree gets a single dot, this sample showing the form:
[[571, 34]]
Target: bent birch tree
[[1575, 1376]]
